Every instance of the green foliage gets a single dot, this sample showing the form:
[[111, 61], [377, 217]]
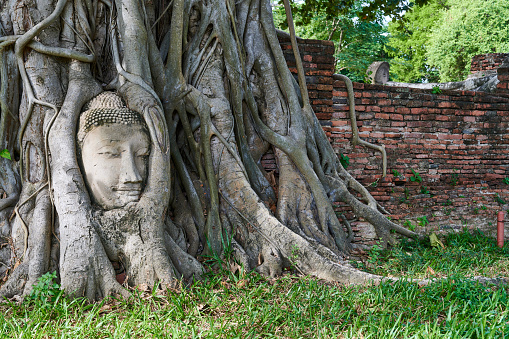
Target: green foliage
[[375, 254], [416, 177], [330, 9], [506, 181], [436, 41], [395, 173], [374, 183], [251, 306], [454, 178], [436, 90], [422, 221], [294, 256], [448, 211], [344, 160], [408, 44], [220, 261], [499, 200], [286, 307], [424, 190], [465, 29], [366, 10], [5, 154], [358, 43], [47, 291], [465, 253], [408, 224], [406, 196]]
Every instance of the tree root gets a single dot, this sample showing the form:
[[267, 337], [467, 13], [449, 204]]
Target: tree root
[[224, 79], [16, 283], [188, 267], [356, 140]]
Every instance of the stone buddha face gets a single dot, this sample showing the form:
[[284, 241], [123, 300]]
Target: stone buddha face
[[114, 149]]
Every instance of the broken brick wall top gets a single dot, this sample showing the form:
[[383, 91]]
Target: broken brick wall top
[[486, 62], [456, 141]]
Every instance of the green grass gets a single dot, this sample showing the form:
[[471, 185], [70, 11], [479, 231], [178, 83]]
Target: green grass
[[466, 253], [249, 306]]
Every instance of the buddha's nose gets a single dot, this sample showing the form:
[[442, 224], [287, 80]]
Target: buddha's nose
[[129, 171]]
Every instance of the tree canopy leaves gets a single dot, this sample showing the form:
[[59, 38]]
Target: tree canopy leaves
[[358, 43], [436, 41], [465, 29], [408, 42], [367, 10]]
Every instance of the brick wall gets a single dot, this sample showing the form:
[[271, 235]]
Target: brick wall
[[457, 141], [503, 77], [318, 61], [486, 62]]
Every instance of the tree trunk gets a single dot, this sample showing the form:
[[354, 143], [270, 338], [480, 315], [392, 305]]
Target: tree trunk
[[211, 85]]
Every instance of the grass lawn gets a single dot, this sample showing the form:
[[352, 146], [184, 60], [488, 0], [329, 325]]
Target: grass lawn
[[247, 305]]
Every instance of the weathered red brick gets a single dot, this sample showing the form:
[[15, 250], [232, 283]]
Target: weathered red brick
[[418, 110], [414, 103], [384, 102], [324, 87], [382, 116], [388, 109], [339, 123], [372, 108], [403, 110], [398, 124]]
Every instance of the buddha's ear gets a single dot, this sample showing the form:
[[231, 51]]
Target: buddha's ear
[[138, 99], [154, 117]]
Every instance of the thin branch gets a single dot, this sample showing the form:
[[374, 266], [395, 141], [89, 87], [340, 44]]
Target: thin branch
[[296, 53], [162, 14], [23, 224]]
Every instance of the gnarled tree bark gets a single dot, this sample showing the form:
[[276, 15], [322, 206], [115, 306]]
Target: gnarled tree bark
[[211, 82]]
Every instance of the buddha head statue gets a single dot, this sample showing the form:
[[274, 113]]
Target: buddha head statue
[[113, 147]]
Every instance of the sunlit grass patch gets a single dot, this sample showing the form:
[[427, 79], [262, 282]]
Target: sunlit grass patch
[[468, 253], [247, 305]]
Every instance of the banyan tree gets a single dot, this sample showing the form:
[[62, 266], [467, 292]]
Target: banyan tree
[[135, 130]]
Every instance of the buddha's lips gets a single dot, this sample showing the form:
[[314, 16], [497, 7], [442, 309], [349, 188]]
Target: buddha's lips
[[130, 190]]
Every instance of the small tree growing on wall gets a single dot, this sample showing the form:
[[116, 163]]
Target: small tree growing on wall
[[139, 127]]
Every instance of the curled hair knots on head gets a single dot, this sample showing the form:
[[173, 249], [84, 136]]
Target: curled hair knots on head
[[106, 108]]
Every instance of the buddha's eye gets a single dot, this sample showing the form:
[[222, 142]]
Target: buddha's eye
[[110, 154], [143, 154]]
